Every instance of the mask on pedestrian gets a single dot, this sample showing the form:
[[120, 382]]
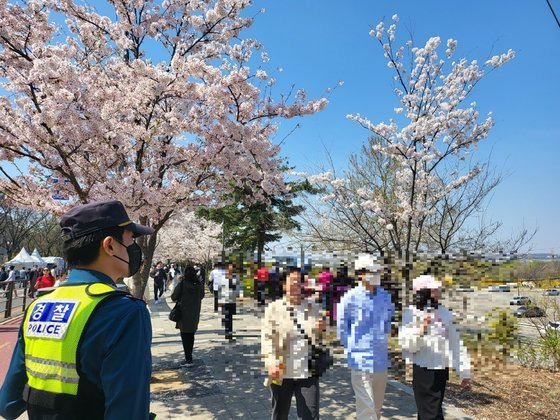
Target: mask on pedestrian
[[134, 257], [373, 279]]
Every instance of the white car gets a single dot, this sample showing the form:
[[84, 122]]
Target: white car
[[520, 300], [552, 292], [554, 325]]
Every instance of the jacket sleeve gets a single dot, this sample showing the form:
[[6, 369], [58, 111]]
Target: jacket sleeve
[[176, 294], [127, 365], [11, 393], [409, 334], [343, 320], [460, 357], [270, 337]]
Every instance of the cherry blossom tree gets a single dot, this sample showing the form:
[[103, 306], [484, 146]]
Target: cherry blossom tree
[[150, 102], [429, 142], [188, 237]]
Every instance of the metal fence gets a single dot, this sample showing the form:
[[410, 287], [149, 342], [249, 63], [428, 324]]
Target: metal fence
[[14, 300]]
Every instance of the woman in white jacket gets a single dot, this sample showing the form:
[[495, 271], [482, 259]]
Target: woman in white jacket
[[432, 344]]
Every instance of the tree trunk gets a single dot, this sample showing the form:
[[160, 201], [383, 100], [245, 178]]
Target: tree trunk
[[140, 279], [260, 245]]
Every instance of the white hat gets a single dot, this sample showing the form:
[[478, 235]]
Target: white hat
[[425, 282], [366, 262]]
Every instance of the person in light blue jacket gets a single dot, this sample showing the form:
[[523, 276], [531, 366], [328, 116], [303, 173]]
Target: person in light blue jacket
[[363, 325]]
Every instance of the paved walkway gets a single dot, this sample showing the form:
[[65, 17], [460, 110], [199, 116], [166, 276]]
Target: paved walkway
[[227, 379]]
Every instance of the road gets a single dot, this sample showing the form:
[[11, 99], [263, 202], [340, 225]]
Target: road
[[479, 303]]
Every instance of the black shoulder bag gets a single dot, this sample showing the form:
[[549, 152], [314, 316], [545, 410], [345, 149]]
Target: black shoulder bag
[[175, 314], [320, 359]]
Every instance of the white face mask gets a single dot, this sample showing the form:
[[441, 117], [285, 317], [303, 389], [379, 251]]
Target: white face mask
[[373, 279]]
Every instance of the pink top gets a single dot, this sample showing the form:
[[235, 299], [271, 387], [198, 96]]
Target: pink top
[[325, 279]]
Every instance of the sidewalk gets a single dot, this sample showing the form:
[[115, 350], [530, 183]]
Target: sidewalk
[[227, 379]]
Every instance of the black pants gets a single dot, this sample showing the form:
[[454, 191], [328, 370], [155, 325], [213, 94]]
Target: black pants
[[215, 300], [261, 292], [429, 387], [188, 344], [307, 398], [158, 288], [228, 310]]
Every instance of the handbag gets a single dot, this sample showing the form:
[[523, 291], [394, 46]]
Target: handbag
[[320, 359], [175, 314]]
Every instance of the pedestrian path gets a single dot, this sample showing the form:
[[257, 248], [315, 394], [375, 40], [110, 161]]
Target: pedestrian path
[[227, 378]]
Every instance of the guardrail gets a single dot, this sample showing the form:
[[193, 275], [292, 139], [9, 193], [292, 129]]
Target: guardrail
[[8, 301]]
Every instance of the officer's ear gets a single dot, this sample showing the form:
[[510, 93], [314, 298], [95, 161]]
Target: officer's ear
[[108, 245]]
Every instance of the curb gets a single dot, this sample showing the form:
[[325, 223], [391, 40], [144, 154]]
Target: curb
[[13, 319]]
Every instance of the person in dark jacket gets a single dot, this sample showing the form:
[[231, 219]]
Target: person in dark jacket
[[160, 276], [189, 293]]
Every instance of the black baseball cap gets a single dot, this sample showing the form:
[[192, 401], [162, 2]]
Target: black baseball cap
[[93, 217]]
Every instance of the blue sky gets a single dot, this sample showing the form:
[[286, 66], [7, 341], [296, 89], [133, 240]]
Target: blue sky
[[317, 43]]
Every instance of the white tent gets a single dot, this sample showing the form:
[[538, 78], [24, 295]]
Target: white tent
[[37, 257], [24, 260]]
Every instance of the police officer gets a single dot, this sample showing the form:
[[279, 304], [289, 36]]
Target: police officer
[[83, 350]]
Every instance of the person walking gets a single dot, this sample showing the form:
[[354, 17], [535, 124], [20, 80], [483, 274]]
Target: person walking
[[341, 284], [262, 281], [227, 297], [3, 277], [12, 276], [33, 276], [217, 275], [325, 283], [188, 294], [160, 276], [432, 344], [363, 326], [84, 350], [46, 280], [290, 327]]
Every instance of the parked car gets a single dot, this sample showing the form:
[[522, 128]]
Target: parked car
[[529, 312], [501, 288], [520, 300], [552, 292], [464, 289], [554, 325]]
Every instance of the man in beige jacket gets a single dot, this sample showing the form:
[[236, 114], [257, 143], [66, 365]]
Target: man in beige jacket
[[286, 349]]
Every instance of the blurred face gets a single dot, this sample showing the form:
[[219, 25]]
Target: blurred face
[[230, 269], [46, 272], [159, 266], [435, 294], [293, 287]]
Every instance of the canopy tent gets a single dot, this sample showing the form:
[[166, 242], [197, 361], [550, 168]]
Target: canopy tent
[[24, 260], [37, 257]]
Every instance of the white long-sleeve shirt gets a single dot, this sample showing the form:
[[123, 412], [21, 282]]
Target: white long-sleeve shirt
[[440, 348]]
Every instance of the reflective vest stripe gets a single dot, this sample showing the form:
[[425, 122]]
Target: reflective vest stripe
[[49, 362], [56, 376]]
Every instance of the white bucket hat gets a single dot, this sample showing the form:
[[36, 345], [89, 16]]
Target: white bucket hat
[[425, 282]]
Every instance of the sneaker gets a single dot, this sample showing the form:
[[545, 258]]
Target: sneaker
[[187, 363]]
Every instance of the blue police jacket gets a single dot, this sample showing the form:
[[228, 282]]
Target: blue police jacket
[[363, 327], [115, 355]]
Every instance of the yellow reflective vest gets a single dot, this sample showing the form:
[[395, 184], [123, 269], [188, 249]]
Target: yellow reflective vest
[[52, 329]]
